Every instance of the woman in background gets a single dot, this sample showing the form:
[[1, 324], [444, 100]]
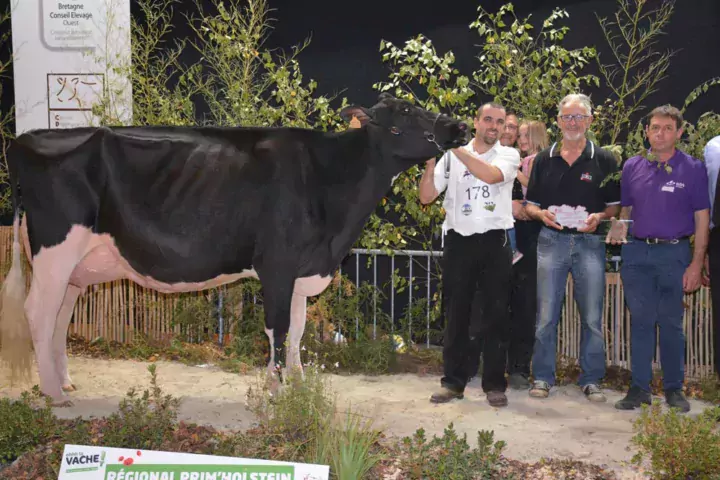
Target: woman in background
[[532, 139]]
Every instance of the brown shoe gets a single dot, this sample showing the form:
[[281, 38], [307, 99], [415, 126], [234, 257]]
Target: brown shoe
[[444, 395], [497, 399]]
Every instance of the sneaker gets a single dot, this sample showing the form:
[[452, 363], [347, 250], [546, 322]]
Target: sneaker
[[676, 399], [444, 395], [517, 256], [635, 398], [497, 399], [518, 381], [540, 389], [593, 393]]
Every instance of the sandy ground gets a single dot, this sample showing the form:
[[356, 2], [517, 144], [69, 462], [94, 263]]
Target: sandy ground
[[565, 425]]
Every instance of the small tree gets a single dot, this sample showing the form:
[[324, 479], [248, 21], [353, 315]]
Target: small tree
[[529, 74]]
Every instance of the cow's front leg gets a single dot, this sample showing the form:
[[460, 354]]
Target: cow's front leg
[[277, 293], [298, 316]]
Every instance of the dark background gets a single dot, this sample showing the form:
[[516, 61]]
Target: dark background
[[343, 55]]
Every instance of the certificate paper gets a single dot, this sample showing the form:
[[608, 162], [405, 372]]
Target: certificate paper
[[569, 217]]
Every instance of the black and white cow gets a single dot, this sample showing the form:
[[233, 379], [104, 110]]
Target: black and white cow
[[180, 209]]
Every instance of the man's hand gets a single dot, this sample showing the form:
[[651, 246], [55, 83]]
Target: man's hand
[[430, 163], [591, 223], [617, 233], [692, 277], [518, 211], [706, 271], [548, 218]]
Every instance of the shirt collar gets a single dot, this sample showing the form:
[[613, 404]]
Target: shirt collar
[[673, 161], [469, 147], [588, 151]]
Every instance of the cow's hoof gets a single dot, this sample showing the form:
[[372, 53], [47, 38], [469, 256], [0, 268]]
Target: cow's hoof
[[69, 388]]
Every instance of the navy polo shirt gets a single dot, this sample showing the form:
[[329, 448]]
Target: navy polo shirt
[[554, 183]]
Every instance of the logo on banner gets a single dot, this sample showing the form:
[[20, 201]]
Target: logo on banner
[[489, 206], [466, 174], [586, 177], [466, 209]]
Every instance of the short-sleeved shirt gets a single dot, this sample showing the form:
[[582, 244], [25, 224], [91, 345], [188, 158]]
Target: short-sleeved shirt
[[711, 152], [471, 205], [664, 203], [553, 182]]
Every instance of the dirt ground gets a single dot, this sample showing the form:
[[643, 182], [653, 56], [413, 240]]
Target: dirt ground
[[564, 426]]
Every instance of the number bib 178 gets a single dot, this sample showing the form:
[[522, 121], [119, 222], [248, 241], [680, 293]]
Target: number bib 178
[[474, 197]]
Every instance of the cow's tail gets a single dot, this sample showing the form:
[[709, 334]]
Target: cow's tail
[[16, 351]]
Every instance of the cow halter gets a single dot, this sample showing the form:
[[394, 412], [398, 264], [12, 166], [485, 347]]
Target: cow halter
[[430, 136]]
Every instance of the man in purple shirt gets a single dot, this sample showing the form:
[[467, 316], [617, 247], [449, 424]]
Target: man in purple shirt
[[666, 197]]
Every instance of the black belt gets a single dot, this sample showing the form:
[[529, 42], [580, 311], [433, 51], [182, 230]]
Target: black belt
[[658, 241]]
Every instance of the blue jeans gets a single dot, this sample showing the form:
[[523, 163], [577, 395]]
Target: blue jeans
[[513, 241], [583, 256], [652, 280]]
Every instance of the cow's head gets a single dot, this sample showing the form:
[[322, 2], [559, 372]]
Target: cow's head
[[416, 134]]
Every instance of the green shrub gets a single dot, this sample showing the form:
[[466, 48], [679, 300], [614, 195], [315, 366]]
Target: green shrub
[[23, 426], [142, 422], [450, 457], [678, 446]]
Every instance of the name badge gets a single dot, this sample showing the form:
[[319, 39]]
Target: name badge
[[668, 189]]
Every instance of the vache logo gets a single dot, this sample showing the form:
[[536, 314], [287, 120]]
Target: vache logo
[[79, 459]]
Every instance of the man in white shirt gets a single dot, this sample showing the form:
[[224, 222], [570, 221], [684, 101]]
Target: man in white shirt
[[477, 180], [711, 155]]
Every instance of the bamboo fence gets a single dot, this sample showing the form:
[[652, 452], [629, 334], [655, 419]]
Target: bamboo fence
[[117, 311]]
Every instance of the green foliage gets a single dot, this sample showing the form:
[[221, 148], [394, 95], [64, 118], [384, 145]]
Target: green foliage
[[6, 134], [529, 74], [303, 417], [23, 425], [237, 78], [678, 446], [144, 421], [450, 456]]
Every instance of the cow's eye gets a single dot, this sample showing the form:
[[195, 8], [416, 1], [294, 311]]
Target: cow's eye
[[406, 109]]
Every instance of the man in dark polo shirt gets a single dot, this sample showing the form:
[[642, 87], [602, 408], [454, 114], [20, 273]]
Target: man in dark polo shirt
[[565, 194], [667, 199]]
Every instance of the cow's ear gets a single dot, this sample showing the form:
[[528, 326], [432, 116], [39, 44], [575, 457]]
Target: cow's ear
[[362, 114]]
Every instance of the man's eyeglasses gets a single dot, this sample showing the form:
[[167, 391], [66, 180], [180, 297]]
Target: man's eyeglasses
[[577, 118]]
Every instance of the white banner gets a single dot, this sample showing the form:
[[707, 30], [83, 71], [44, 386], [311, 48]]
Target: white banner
[[68, 55], [81, 462]]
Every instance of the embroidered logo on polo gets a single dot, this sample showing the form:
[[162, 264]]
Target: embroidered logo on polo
[[671, 186], [586, 177]]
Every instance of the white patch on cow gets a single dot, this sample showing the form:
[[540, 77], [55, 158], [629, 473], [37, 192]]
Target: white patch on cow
[[52, 269], [311, 286]]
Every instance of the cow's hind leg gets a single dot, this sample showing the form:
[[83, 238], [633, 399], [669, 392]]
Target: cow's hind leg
[[52, 268], [60, 336]]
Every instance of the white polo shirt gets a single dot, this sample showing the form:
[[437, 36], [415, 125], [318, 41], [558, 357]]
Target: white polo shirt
[[471, 205]]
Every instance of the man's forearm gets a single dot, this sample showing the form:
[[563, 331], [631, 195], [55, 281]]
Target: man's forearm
[[428, 192], [610, 211], [625, 213], [702, 234], [480, 168], [533, 211]]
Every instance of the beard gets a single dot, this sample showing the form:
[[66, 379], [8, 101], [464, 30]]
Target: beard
[[573, 136], [488, 140]]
